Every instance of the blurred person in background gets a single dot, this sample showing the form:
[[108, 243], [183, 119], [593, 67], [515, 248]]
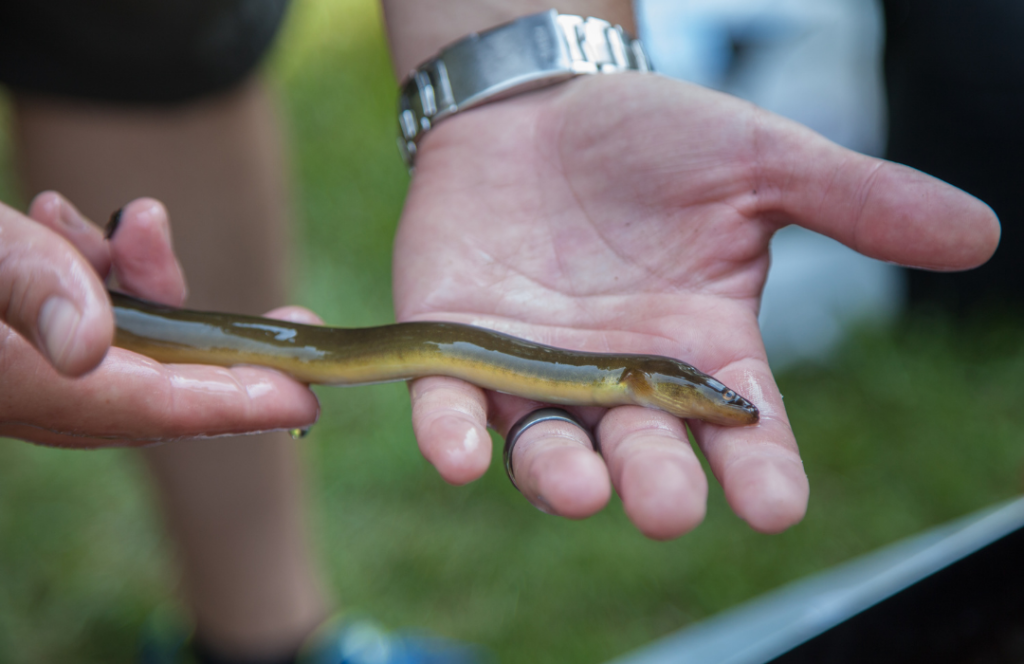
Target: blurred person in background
[[640, 228], [954, 75]]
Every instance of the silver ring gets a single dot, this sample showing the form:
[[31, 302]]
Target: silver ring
[[536, 417]]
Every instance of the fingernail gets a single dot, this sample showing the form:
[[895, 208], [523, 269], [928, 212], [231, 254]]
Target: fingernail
[[58, 324], [542, 504], [115, 221], [70, 217]]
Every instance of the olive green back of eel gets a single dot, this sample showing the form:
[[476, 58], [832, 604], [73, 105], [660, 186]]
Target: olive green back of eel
[[359, 356]]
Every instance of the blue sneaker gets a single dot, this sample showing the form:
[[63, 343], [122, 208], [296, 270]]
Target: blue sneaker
[[166, 640], [340, 641]]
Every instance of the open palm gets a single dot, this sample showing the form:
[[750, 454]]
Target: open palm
[[632, 213]]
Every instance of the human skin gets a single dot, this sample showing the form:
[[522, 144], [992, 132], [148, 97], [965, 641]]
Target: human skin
[[66, 387], [633, 213]]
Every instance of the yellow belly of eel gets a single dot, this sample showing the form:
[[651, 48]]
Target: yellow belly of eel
[[360, 356]]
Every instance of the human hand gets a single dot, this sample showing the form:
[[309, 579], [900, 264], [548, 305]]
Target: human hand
[[632, 213], [63, 385]]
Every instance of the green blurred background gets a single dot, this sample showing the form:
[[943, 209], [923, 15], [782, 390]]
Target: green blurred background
[[906, 428]]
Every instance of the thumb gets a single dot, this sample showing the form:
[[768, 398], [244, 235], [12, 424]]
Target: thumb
[[50, 294], [881, 209]]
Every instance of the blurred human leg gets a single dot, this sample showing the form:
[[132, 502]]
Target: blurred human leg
[[232, 506]]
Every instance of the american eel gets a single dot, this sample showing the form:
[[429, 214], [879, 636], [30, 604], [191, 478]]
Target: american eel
[[361, 356]]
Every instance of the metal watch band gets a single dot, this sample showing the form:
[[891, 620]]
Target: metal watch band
[[529, 53]]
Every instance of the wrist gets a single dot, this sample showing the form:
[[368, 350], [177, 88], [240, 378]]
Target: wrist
[[525, 54], [418, 30]]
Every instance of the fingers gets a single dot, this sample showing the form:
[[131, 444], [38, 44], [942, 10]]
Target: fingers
[[655, 470], [130, 399], [881, 209], [50, 294], [646, 453], [142, 256], [294, 314], [51, 210], [556, 467], [758, 466], [59, 305], [449, 418], [554, 462]]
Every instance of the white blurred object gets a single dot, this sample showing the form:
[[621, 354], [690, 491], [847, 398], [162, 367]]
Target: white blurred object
[[817, 62], [817, 288]]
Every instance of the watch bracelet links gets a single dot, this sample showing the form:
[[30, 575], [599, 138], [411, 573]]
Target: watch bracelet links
[[593, 46]]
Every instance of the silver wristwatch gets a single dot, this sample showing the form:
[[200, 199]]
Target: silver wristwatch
[[529, 53]]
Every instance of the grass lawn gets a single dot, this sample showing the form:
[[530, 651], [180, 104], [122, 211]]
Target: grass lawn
[[906, 429]]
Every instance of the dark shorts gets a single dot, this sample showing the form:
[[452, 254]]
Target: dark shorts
[[136, 51]]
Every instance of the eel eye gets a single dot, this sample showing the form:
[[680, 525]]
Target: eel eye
[[728, 395]]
